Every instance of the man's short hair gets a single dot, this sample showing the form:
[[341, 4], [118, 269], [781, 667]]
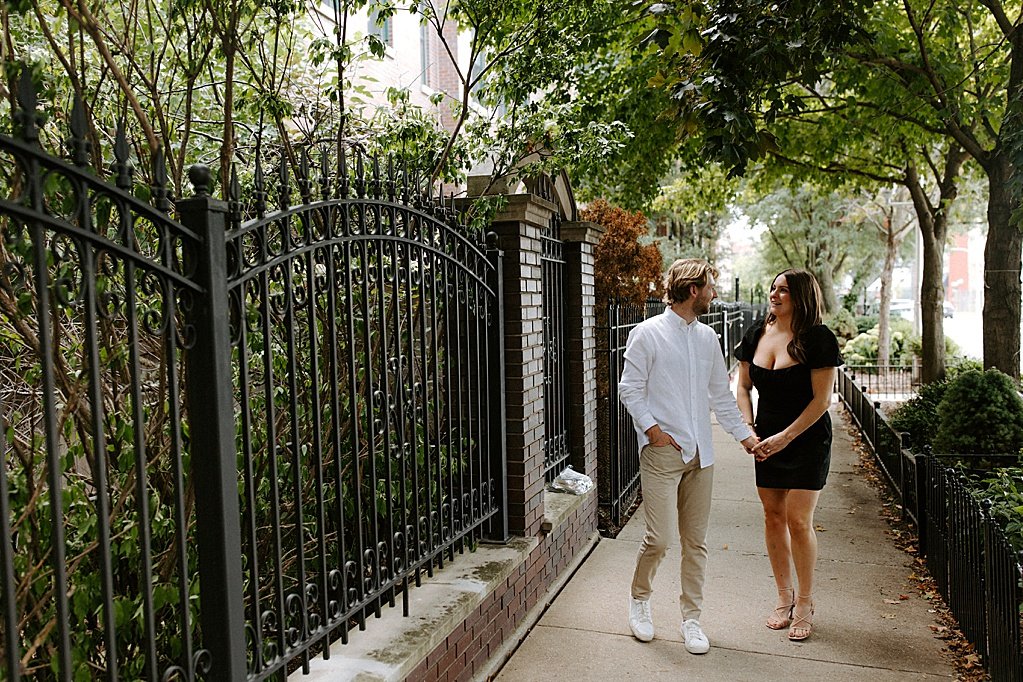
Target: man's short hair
[[683, 273]]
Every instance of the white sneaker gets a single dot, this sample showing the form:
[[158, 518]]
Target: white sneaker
[[640, 620], [696, 641]]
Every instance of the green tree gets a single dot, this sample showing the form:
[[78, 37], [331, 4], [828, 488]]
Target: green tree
[[810, 228], [693, 208], [891, 226], [514, 105], [947, 69]]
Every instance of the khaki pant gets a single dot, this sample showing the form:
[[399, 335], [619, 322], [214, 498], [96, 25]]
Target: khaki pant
[[672, 488]]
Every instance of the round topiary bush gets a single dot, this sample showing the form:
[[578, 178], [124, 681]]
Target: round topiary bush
[[918, 416], [842, 323], [980, 413]]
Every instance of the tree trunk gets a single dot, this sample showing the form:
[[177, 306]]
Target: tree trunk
[[933, 224], [827, 281], [884, 334], [1001, 272], [932, 293]]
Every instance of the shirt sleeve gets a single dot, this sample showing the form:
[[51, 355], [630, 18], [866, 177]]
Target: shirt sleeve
[[721, 399], [632, 388], [821, 347], [747, 348]]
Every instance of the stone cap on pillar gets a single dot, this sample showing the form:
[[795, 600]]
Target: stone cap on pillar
[[581, 231], [558, 187]]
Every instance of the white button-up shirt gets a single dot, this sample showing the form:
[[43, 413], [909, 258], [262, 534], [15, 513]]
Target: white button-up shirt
[[674, 375]]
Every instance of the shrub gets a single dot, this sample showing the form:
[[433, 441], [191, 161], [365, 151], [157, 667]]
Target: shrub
[[842, 323], [623, 267], [917, 418], [865, 323], [1003, 488], [982, 413], [862, 349], [952, 349]]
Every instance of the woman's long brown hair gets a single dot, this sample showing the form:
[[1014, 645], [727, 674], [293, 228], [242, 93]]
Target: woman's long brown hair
[[806, 297]]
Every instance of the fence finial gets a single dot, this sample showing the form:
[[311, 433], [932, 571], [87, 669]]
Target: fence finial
[[259, 185], [199, 175], [122, 160], [159, 186], [26, 116], [79, 142]]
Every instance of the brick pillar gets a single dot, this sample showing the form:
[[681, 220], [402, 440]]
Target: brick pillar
[[518, 229], [580, 239]]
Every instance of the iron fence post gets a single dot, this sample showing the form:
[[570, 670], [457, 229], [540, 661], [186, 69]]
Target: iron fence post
[[12, 666], [873, 427], [496, 399], [922, 502], [212, 434]]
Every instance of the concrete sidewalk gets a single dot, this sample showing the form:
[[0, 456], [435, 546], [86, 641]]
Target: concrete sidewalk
[[863, 629]]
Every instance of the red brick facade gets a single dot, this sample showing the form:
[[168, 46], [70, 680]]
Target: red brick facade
[[468, 650]]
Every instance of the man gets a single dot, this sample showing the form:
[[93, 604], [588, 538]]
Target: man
[[674, 375]]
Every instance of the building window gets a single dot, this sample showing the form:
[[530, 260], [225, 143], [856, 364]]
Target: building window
[[380, 26], [425, 55]]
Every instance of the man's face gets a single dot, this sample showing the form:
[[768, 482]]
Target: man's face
[[704, 295]]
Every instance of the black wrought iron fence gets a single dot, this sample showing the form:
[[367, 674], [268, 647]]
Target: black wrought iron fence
[[887, 382], [555, 365], [366, 324], [618, 447], [977, 570], [227, 441], [98, 296]]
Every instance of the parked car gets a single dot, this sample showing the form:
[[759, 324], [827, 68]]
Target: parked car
[[902, 307], [906, 308]]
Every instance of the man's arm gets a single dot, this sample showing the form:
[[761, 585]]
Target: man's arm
[[723, 403], [632, 389]]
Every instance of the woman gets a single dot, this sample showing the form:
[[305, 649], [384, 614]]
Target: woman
[[790, 358]]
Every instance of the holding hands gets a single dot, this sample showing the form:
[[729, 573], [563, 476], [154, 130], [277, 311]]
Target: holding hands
[[770, 446]]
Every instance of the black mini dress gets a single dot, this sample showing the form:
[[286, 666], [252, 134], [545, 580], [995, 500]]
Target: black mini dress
[[783, 395]]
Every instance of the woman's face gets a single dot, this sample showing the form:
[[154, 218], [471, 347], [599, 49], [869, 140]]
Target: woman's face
[[780, 299]]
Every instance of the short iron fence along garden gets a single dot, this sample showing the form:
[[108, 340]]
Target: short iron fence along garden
[[976, 569]]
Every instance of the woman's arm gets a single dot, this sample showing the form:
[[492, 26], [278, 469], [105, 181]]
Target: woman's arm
[[823, 382], [743, 396]]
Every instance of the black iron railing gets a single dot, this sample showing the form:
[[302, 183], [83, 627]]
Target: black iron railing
[[977, 570], [226, 441], [887, 382], [975, 567], [618, 447], [555, 365]]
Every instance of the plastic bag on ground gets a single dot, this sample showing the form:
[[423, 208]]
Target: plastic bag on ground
[[572, 482]]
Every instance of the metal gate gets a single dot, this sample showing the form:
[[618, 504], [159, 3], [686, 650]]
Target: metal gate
[[224, 441], [555, 363]]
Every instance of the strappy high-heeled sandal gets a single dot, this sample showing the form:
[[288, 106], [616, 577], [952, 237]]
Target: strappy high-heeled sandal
[[782, 615], [802, 626]]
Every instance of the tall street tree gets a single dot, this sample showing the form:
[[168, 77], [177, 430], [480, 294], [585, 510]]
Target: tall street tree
[[948, 69]]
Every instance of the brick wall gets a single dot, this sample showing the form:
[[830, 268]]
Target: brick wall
[[518, 230], [467, 651]]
